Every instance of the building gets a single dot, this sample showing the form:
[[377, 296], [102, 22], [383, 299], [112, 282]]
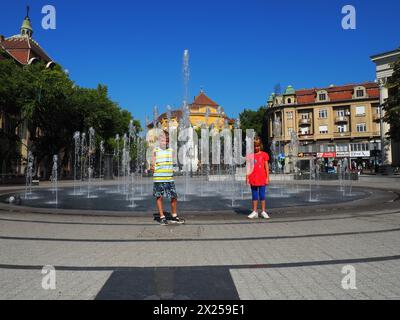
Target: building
[[330, 123], [384, 70], [23, 49], [203, 111]]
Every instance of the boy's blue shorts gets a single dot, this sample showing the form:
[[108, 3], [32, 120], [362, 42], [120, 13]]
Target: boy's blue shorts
[[258, 193]]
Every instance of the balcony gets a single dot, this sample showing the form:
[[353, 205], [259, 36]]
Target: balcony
[[376, 117], [305, 122], [341, 119], [342, 134], [306, 136]]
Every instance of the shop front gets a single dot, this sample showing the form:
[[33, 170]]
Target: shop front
[[327, 162]]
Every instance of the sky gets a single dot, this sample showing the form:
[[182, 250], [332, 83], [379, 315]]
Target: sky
[[239, 49]]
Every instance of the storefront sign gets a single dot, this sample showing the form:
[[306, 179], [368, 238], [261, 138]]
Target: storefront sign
[[360, 154], [307, 154], [342, 154], [326, 155]]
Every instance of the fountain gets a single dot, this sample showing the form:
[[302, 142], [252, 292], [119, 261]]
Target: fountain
[[277, 129], [204, 197], [116, 154], [77, 139], [312, 181], [204, 152], [102, 151], [54, 178], [347, 174], [83, 159], [293, 155], [237, 154], [221, 184], [29, 174], [90, 152]]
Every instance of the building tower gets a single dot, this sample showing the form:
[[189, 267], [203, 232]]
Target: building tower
[[26, 28]]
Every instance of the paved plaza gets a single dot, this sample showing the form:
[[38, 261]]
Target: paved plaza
[[301, 253]]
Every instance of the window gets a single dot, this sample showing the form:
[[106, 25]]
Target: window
[[308, 148], [342, 128], [342, 148], [341, 113], [326, 148], [360, 147], [323, 114], [323, 129], [361, 127], [360, 93], [360, 111], [289, 100], [322, 97], [305, 116], [290, 130], [304, 131], [290, 115]]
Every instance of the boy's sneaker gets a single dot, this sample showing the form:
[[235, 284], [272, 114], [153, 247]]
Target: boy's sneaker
[[163, 221], [177, 220], [265, 215], [253, 215]]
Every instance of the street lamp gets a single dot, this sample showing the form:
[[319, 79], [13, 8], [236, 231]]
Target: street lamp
[[382, 83]]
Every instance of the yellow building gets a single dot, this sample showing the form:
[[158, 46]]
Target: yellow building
[[331, 123], [203, 111]]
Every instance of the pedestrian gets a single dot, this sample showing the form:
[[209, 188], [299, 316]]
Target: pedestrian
[[258, 178], [163, 176]]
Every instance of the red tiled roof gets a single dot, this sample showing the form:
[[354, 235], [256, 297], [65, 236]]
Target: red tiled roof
[[336, 93], [23, 48], [203, 100]]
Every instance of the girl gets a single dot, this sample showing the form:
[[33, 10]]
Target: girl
[[258, 178]]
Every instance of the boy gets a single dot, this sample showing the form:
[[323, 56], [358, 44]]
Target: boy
[[164, 186]]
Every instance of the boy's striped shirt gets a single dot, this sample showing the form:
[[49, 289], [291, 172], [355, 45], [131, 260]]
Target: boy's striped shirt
[[163, 169]]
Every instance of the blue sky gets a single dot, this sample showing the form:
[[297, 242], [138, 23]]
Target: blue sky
[[239, 49]]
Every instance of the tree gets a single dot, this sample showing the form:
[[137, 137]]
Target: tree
[[256, 120], [54, 108], [392, 104], [13, 100]]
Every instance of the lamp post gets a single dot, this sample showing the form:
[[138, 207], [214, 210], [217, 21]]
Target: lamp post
[[382, 83], [375, 151]]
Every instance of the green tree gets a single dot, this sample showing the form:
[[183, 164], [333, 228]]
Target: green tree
[[392, 104], [54, 108], [256, 120]]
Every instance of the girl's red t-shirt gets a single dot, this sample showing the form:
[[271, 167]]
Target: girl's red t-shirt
[[258, 177]]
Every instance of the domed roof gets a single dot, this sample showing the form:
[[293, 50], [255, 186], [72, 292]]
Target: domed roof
[[271, 97], [289, 90], [26, 24]]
